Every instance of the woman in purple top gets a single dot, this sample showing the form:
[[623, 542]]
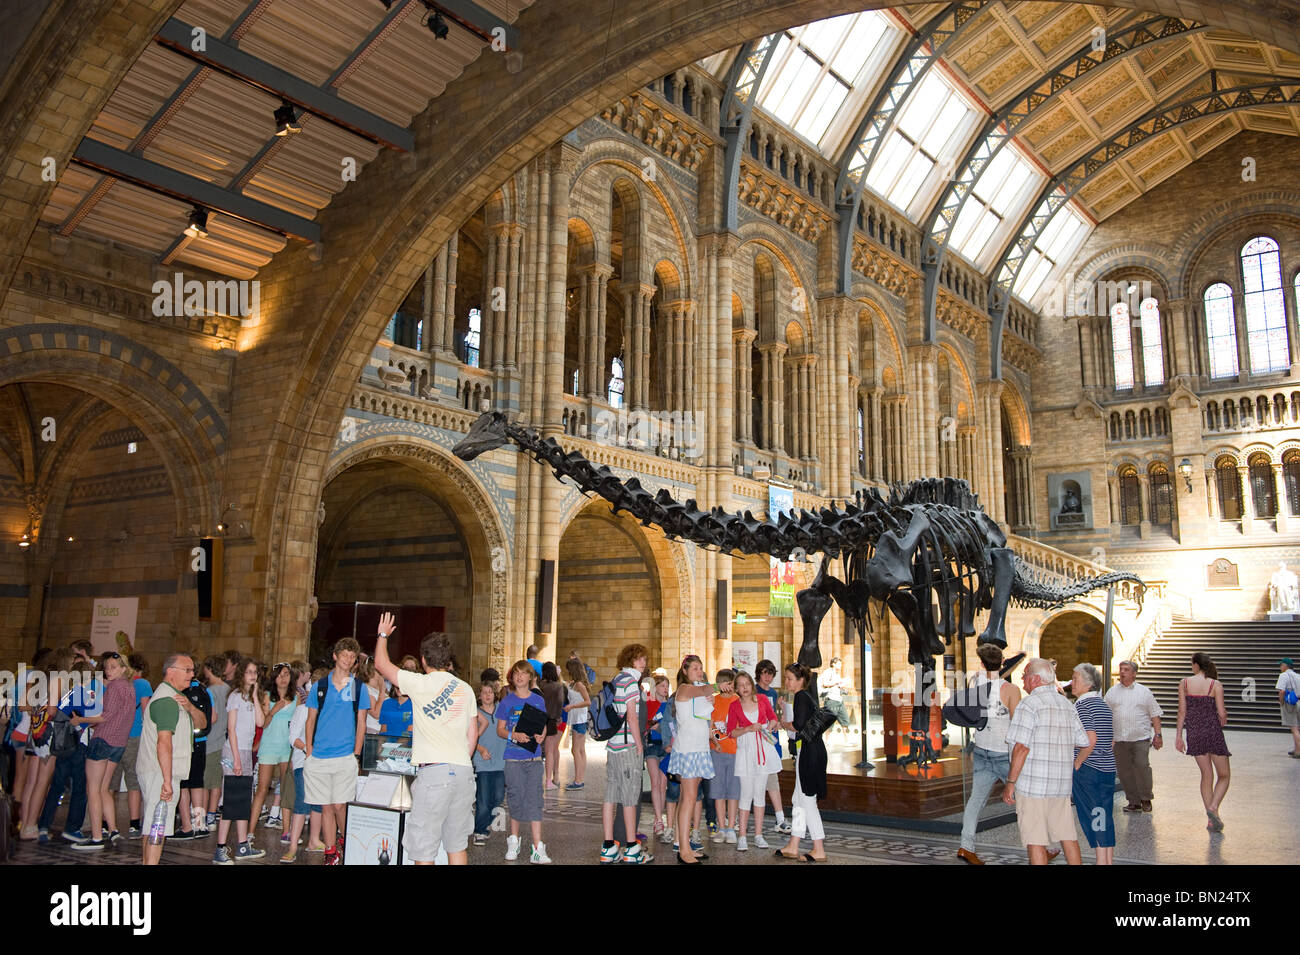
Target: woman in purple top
[[1201, 710], [112, 726]]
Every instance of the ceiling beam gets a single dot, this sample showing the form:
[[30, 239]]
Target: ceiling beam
[[479, 21], [166, 181], [215, 53], [743, 82]]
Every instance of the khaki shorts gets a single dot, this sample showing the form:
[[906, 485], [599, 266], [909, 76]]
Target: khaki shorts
[[442, 811], [330, 782], [151, 795], [1288, 714], [212, 771], [1044, 822], [126, 767]]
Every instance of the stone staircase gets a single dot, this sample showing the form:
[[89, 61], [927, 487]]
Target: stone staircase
[[1246, 653]]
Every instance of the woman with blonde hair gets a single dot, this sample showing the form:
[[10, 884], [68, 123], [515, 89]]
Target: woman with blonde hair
[[690, 758], [576, 714]]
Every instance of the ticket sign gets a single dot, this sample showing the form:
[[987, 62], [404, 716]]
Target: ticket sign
[[112, 624]]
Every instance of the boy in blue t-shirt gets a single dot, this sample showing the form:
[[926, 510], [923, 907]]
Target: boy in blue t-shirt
[[524, 769], [334, 734]]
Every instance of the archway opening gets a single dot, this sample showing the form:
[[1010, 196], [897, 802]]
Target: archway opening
[[1071, 638]]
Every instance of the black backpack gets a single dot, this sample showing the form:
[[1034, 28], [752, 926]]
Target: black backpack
[[322, 691], [603, 719], [969, 707]]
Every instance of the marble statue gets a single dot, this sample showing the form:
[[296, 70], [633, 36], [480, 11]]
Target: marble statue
[[1283, 591]]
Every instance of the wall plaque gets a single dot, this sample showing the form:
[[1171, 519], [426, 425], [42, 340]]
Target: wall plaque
[[1222, 575]]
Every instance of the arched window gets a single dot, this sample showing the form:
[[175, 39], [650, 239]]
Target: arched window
[[1291, 480], [1229, 483], [1130, 496], [1162, 495], [1221, 331], [1114, 426], [616, 383], [1153, 360], [1261, 269], [575, 380], [1262, 490], [472, 338], [1121, 338]]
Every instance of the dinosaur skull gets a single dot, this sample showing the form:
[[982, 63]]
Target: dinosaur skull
[[486, 434]]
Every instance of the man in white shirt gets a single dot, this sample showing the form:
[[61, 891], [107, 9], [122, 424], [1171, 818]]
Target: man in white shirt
[[1137, 730], [1289, 680], [1043, 735]]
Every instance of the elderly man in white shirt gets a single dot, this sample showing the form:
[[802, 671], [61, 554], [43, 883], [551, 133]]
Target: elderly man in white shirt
[[1137, 730], [1044, 734]]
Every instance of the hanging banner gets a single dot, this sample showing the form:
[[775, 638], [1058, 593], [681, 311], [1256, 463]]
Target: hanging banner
[[780, 500], [112, 624]]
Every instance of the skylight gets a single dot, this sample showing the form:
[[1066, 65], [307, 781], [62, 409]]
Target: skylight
[[1001, 193], [933, 126], [817, 67], [1055, 246]]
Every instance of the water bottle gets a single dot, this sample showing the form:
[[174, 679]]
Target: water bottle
[[158, 828]]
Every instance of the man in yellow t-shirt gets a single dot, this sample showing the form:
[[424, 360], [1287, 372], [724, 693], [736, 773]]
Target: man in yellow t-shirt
[[444, 733]]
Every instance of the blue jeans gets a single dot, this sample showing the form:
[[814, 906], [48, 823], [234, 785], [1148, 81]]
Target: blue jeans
[[988, 768], [70, 768], [490, 793], [1094, 804]]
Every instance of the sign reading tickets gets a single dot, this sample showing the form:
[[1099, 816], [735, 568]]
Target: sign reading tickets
[[780, 500], [112, 624]]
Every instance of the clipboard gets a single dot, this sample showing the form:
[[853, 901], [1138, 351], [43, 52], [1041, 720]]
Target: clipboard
[[532, 722]]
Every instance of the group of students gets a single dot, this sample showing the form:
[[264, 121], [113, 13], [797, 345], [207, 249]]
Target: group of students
[[712, 753]]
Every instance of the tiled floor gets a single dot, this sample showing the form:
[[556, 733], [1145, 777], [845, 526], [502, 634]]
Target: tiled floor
[[1261, 815]]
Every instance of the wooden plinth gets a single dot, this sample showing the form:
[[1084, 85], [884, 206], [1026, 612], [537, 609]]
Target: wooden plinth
[[889, 791]]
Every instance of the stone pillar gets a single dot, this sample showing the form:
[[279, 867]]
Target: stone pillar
[[449, 307], [1211, 493], [876, 457], [487, 314], [1179, 347], [438, 328], [1086, 356], [743, 341], [426, 311], [1247, 500], [645, 297], [512, 299], [1283, 505], [773, 354], [497, 294], [1144, 501]]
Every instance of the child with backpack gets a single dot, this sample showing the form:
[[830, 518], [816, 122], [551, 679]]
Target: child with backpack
[[336, 727], [523, 766]]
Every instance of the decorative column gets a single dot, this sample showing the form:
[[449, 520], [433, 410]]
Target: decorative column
[[494, 336], [773, 354], [876, 461], [512, 298], [1211, 494], [437, 327], [743, 343], [1144, 499], [449, 304], [645, 297], [426, 310], [1283, 505], [1247, 499], [1085, 352], [487, 314]]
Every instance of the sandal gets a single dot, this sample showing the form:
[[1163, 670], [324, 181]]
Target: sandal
[[1216, 824], [780, 854], [809, 857]]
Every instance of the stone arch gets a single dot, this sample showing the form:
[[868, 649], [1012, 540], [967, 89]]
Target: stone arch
[[1053, 624], [145, 387], [1146, 257], [958, 363], [486, 540], [583, 244], [1224, 217], [766, 241], [1017, 413], [876, 314]]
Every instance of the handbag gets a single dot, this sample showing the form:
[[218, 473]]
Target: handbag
[[821, 720]]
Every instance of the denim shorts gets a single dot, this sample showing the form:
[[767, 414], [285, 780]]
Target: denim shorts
[[579, 728], [100, 750]]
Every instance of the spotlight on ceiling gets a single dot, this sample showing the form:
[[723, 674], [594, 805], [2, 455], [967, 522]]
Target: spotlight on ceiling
[[438, 26], [286, 123], [198, 227]]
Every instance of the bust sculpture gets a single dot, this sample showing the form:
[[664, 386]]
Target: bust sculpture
[[1283, 591]]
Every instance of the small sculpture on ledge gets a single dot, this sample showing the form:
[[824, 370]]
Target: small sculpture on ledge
[[1283, 592]]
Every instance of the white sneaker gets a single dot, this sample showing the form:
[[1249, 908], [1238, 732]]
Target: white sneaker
[[512, 848], [759, 842], [731, 836], [668, 837], [742, 844], [720, 836], [539, 856]]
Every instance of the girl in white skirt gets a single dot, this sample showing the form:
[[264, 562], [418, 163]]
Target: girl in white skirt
[[690, 757]]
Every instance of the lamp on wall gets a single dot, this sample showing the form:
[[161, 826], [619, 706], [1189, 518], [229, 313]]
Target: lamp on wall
[[1185, 469]]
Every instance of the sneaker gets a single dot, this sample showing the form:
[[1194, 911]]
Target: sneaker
[[284, 838], [135, 832], [759, 841], [91, 845], [572, 786], [211, 820], [222, 856], [114, 836], [731, 836], [29, 834], [742, 844], [274, 821], [713, 827], [550, 785], [181, 835], [637, 856], [697, 843], [660, 825], [248, 851], [333, 857], [783, 827], [512, 848], [611, 853], [668, 836], [290, 856], [480, 839], [719, 835], [75, 836], [539, 856], [43, 836]]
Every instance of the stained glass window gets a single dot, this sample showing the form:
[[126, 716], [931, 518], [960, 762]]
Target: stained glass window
[[1221, 331], [1121, 336], [1153, 363], [1261, 268]]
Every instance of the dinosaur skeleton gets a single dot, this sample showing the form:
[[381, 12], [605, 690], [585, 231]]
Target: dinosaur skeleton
[[928, 542]]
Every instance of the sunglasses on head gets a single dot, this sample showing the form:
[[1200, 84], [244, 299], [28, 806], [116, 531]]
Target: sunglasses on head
[[111, 656]]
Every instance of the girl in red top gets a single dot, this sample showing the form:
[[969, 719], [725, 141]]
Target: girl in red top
[[751, 722]]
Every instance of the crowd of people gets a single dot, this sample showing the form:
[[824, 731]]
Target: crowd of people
[[1050, 753], [229, 743]]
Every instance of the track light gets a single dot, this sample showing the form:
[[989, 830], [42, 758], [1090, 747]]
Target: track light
[[286, 123], [198, 227], [437, 25]]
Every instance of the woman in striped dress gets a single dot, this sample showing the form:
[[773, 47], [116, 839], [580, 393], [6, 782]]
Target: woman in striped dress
[[1094, 765]]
